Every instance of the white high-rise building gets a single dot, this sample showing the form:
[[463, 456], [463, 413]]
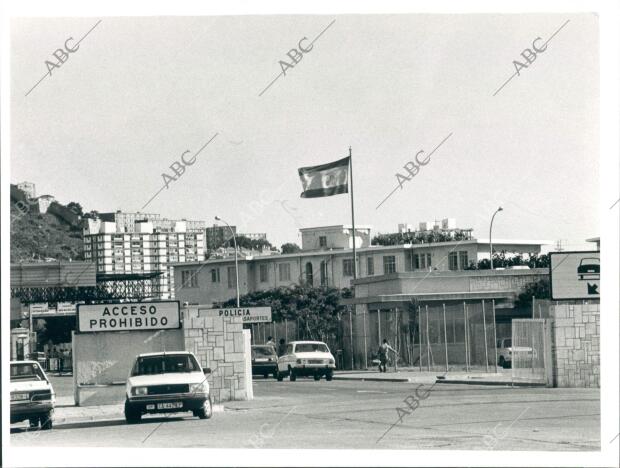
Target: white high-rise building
[[145, 245]]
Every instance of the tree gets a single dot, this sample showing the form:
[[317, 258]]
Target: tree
[[317, 309], [244, 242], [76, 208], [290, 247], [539, 289]]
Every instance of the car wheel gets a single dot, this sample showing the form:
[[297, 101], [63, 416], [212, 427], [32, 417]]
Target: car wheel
[[276, 374], [317, 377], [329, 376], [33, 422], [207, 409], [46, 421], [292, 375], [265, 376], [132, 416]]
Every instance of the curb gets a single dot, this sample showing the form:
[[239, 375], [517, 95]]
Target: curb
[[367, 379], [490, 382]]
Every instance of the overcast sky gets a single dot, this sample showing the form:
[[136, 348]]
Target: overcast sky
[[139, 92]]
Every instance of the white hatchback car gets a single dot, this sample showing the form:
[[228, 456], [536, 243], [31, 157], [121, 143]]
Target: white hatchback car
[[306, 358], [32, 395], [167, 382]]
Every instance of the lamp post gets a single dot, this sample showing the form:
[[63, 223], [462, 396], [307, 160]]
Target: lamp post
[[490, 231], [217, 218]]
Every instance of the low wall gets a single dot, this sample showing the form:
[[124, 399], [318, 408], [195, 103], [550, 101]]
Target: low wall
[[221, 344], [576, 352]]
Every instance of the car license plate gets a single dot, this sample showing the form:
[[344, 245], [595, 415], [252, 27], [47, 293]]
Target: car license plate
[[173, 405], [20, 396]]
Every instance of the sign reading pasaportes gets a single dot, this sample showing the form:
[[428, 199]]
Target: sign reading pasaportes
[[128, 316], [246, 314]]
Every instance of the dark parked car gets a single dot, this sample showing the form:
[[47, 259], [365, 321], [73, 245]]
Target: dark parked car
[[264, 360], [589, 268]]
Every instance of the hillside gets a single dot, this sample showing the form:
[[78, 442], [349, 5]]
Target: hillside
[[36, 237]]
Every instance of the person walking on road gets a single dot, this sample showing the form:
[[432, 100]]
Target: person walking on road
[[383, 355]]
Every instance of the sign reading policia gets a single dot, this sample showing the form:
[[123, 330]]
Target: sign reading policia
[[247, 314], [128, 316], [575, 275]]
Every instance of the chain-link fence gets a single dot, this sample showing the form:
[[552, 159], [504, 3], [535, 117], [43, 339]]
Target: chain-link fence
[[454, 336]]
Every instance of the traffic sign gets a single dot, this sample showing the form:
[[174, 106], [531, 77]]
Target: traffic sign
[[575, 275], [247, 314]]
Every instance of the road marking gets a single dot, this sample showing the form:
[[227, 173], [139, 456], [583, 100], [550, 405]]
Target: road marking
[[369, 391]]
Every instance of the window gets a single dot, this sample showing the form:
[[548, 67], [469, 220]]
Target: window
[[324, 276], [453, 261], [463, 259], [189, 279], [215, 275], [428, 260], [347, 267], [263, 271], [284, 271], [370, 266], [423, 261], [232, 278], [389, 264], [309, 275], [322, 241]]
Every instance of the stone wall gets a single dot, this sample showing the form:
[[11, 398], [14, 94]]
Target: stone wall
[[576, 351], [219, 343]]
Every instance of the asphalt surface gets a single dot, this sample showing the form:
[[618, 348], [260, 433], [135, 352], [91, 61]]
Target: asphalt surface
[[360, 414]]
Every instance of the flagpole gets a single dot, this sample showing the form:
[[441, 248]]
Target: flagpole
[[353, 216]]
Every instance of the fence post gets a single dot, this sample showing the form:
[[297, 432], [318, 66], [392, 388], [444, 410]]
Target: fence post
[[486, 347], [428, 349], [533, 305], [466, 337], [420, 335], [445, 335], [495, 336], [351, 330], [364, 314]]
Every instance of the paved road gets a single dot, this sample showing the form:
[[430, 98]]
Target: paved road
[[350, 414]]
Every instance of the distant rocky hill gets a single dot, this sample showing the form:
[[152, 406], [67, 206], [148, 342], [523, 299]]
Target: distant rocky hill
[[39, 236]]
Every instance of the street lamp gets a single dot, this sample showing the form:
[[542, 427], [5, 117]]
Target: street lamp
[[490, 231], [217, 218]]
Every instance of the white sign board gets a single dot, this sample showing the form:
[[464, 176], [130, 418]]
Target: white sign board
[[247, 314], [39, 308], [575, 275], [128, 316]]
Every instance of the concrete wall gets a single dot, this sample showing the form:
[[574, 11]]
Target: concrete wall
[[219, 343], [102, 361], [576, 352]]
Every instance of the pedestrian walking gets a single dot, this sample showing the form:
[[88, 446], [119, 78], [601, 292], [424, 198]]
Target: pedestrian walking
[[383, 355]]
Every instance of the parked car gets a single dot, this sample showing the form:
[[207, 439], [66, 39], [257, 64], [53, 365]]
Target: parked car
[[32, 395], [306, 358], [264, 360], [167, 382], [505, 352], [589, 269]]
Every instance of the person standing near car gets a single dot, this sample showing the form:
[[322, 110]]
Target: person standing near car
[[383, 355], [281, 351], [271, 343]]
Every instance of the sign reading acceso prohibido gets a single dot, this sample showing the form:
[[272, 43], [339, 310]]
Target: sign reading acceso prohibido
[[128, 316]]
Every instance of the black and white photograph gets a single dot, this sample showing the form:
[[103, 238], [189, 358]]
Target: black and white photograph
[[332, 234]]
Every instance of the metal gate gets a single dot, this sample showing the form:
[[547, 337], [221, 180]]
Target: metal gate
[[531, 351]]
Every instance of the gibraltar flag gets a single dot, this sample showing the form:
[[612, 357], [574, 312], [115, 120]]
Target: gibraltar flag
[[325, 180]]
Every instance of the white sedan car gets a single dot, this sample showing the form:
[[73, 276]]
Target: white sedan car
[[167, 382], [306, 358], [32, 395]]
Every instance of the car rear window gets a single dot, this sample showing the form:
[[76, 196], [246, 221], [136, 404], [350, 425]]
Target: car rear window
[[266, 351], [311, 347], [26, 371], [171, 363]]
